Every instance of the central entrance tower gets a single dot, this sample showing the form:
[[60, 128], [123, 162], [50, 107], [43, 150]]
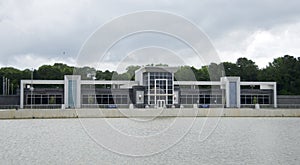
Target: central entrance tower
[[158, 83]]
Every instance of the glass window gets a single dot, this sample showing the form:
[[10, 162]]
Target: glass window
[[266, 99], [219, 99], [190, 99], [195, 99], [105, 100], [207, 99], [37, 100], [85, 100], [45, 99], [243, 99], [260, 99], [28, 100], [58, 100], [124, 100], [99, 100], [248, 100]]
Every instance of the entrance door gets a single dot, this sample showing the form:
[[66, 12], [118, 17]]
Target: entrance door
[[161, 103], [161, 92]]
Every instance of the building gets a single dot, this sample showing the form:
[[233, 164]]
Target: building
[[153, 87]]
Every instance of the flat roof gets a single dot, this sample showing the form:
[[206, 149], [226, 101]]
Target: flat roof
[[157, 69]]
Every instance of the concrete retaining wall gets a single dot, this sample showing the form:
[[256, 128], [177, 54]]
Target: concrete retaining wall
[[116, 113]]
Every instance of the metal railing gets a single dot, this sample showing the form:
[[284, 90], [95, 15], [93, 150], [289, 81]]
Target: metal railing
[[288, 106], [43, 106], [59, 106], [9, 106], [105, 106]]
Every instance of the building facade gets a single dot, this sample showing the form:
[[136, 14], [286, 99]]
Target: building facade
[[154, 87]]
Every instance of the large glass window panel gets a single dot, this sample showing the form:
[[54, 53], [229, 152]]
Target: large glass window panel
[[189, 99], [248, 100], [105, 100], [266, 100], [37, 100], [58, 100], [260, 99], [85, 100], [243, 99], [195, 99], [207, 99], [45, 99]]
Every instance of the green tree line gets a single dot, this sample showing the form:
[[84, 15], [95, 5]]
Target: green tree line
[[283, 70]]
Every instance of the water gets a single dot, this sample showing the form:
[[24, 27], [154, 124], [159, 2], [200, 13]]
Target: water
[[233, 141]]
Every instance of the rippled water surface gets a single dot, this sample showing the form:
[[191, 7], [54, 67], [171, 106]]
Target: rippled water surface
[[74, 141]]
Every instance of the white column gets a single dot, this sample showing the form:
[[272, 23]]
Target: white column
[[227, 93], [66, 91], [21, 94], [78, 88], [166, 92], [173, 98], [148, 87], [155, 92], [238, 95], [77, 99], [275, 94]]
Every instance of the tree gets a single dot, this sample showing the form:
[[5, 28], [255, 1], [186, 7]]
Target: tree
[[203, 74], [52, 100], [248, 69], [131, 71], [55, 72], [185, 73], [106, 75], [231, 69], [85, 72], [285, 71], [48, 72], [215, 71], [14, 76]]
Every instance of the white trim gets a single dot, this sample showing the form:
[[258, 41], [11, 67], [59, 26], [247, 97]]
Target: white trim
[[197, 83], [42, 81], [106, 82]]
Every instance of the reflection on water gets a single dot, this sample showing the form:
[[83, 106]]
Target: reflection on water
[[235, 140]]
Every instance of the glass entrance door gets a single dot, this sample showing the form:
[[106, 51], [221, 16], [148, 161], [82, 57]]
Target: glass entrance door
[[161, 92], [161, 103]]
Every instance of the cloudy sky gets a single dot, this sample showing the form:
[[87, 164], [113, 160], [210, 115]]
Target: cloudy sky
[[37, 32]]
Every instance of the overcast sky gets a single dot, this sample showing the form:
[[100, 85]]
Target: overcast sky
[[37, 32]]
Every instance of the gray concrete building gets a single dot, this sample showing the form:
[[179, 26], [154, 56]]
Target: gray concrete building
[[153, 87]]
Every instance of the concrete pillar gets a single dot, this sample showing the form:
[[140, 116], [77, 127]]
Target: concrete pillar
[[21, 94], [275, 95], [76, 90], [226, 81]]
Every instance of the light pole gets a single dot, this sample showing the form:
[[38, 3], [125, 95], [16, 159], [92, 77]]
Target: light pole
[[252, 98], [12, 88], [31, 88], [223, 94], [3, 85], [8, 82]]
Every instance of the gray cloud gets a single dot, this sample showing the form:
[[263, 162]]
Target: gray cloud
[[34, 32]]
